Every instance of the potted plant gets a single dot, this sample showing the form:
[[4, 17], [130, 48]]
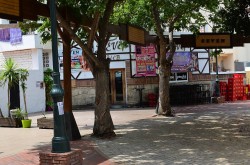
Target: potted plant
[[9, 76], [18, 116], [23, 75]]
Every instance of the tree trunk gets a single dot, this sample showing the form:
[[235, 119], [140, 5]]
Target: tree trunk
[[8, 101], [25, 104], [72, 130], [103, 126], [164, 77]]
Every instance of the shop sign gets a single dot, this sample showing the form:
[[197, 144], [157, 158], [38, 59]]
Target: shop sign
[[208, 40], [136, 35], [114, 45], [181, 76]]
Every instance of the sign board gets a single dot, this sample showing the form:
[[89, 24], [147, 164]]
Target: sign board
[[136, 35], [10, 9], [210, 40], [145, 61], [132, 34]]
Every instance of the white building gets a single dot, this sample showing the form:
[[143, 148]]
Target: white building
[[28, 55]]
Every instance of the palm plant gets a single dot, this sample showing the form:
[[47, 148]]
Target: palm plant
[[23, 75], [9, 75]]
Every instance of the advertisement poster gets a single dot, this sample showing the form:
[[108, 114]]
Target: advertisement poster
[[145, 61], [77, 60], [185, 61]]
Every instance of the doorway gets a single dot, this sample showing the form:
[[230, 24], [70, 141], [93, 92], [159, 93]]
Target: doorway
[[117, 86], [14, 96]]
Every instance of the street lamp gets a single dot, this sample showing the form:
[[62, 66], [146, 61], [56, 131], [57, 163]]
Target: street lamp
[[217, 86], [60, 142]]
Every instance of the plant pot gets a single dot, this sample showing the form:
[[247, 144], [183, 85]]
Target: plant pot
[[26, 123], [45, 123], [10, 122]]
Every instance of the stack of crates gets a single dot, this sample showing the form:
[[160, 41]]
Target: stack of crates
[[152, 100], [235, 88], [223, 89]]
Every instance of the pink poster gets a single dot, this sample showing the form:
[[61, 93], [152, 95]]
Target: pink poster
[[145, 61]]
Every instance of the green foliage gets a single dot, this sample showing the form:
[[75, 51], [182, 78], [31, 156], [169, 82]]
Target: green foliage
[[20, 114], [215, 52], [48, 77], [28, 26], [232, 18], [23, 75], [9, 74], [184, 14], [48, 81], [44, 29]]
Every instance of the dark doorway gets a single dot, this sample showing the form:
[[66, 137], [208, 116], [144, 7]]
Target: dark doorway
[[14, 97]]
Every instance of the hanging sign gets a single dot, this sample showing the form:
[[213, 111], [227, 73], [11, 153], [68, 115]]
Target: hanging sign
[[210, 40]]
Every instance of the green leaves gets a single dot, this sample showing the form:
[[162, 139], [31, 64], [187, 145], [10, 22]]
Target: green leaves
[[232, 18], [23, 75], [183, 14], [9, 74]]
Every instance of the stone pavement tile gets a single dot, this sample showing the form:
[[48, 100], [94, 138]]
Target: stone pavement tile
[[201, 135], [91, 155]]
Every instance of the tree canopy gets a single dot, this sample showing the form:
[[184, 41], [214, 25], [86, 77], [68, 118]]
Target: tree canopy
[[232, 17], [162, 16]]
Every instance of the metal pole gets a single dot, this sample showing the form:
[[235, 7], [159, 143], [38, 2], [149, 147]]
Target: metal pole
[[217, 86], [60, 142]]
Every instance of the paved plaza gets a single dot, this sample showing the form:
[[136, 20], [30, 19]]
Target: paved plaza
[[202, 135]]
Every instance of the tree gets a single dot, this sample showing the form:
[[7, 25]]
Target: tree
[[99, 13], [23, 75], [9, 75], [232, 17], [85, 22], [165, 16]]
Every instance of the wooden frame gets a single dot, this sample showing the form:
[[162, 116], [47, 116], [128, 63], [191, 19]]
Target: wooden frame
[[113, 87]]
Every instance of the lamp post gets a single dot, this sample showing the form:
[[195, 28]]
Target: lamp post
[[60, 142], [217, 86]]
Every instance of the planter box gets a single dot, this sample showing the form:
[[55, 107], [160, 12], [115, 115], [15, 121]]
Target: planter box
[[10, 122], [45, 123]]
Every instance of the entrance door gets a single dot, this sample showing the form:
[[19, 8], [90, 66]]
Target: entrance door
[[117, 86], [14, 97]]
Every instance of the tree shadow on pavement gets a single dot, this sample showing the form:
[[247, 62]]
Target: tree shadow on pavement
[[195, 136]]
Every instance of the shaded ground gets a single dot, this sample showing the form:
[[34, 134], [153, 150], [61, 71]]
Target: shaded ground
[[204, 134]]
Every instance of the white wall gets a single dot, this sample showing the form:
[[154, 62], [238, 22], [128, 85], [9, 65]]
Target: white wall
[[30, 59], [28, 42], [35, 95]]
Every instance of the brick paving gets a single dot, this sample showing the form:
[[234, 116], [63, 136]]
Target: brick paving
[[202, 134]]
